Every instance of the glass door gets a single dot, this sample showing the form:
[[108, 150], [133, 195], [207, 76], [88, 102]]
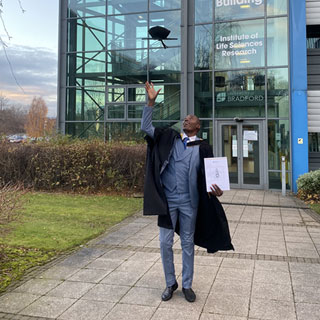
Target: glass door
[[241, 143]]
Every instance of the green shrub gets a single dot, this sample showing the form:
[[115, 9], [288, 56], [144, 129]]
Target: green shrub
[[309, 185], [77, 165]]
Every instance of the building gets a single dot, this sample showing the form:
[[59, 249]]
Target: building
[[242, 66]]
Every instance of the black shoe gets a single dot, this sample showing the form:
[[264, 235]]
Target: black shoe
[[189, 294], [168, 292]]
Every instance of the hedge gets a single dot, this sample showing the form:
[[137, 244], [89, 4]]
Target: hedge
[[81, 165], [309, 185]]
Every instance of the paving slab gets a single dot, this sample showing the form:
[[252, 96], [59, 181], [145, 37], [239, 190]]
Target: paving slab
[[272, 274]]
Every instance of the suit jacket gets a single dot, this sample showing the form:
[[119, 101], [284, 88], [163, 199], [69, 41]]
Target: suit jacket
[[212, 230]]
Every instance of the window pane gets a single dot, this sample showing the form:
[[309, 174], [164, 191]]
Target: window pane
[[203, 11], [85, 130], [276, 7], [86, 69], [135, 111], [277, 33], [86, 8], [137, 94], [240, 94], [116, 111], [313, 43], [85, 104], [314, 141], [278, 93], [164, 4], [203, 94], [86, 34], [206, 131], [126, 67], [170, 20], [116, 94], [278, 143], [275, 180], [120, 6], [165, 65], [167, 103], [126, 32], [231, 10], [124, 131], [239, 44], [203, 47]]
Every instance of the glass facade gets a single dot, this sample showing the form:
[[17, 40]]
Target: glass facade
[[230, 60]]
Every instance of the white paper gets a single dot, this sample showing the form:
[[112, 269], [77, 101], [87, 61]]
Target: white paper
[[234, 148], [245, 149], [217, 172], [250, 135]]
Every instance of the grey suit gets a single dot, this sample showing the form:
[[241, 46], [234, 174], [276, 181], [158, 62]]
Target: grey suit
[[179, 180]]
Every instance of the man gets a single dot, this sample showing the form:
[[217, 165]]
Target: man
[[175, 191]]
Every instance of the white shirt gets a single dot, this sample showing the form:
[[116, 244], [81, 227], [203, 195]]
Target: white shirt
[[193, 138]]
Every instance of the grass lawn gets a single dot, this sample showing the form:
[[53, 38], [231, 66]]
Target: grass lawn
[[52, 223], [315, 207]]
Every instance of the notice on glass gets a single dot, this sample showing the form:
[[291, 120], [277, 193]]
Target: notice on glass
[[250, 135], [216, 170]]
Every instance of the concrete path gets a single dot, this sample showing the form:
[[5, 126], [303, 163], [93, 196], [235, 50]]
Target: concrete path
[[274, 272]]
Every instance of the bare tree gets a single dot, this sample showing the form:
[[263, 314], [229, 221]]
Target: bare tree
[[4, 102], [36, 118], [4, 45]]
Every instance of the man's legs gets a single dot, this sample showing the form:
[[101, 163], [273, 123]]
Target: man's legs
[[166, 243], [187, 222]]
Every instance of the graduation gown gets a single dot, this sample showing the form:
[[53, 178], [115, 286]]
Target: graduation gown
[[212, 230]]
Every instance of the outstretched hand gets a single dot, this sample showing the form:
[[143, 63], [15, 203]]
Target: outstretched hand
[[216, 191], [152, 93]]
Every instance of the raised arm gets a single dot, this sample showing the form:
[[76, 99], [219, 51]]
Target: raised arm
[[146, 121]]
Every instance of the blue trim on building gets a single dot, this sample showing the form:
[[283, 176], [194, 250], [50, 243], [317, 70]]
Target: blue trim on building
[[298, 76]]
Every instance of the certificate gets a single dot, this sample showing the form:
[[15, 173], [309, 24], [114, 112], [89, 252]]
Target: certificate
[[216, 170]]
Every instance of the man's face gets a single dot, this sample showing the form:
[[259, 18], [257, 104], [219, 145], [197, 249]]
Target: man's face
[[191, 125]]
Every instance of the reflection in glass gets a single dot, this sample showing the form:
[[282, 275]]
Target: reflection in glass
[[231, 10], [86, 130], [167, 105], [135, 111], [86, 8], [124, 131], [116, 111], [86, 104], [126, 32], [165, 65], [313, 43], [86, 69], [278, 93], [240, 94], [277, 40], [314, 141], [126, 67], [170, 20], [276, 7], [116, 94], [251, 155], [229, 144], [203, 47], [275, 180], [86, 34], [164, 4], [278, 143], [203, 94], [203, 11], [239, 44], [137, 94], [206, 131], [121, 7]]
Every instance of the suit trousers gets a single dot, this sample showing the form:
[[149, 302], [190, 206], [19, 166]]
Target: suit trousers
[[180, 210]]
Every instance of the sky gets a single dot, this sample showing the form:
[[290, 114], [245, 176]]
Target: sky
[[32, 52]]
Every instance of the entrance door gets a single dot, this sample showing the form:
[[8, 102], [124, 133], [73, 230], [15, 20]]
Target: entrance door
[[242, 144]]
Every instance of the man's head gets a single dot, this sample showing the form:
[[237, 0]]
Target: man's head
[[191, 125]]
